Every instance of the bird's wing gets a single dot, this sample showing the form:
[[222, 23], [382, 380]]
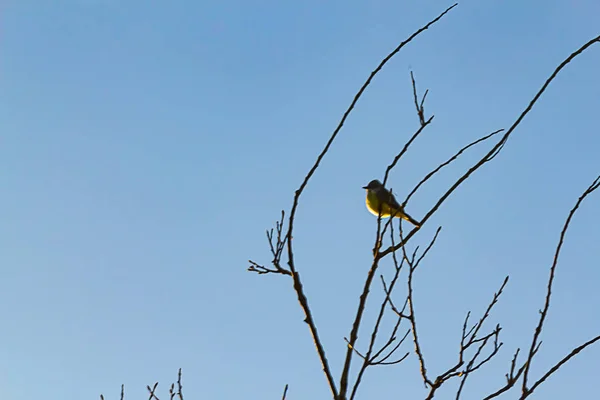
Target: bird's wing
[[387, 197]]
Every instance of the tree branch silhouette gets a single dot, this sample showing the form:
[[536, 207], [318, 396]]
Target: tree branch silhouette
[[297, 283], [281, 240], [543, 314], [499, 145]]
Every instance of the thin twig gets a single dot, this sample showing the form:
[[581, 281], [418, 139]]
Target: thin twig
[[469, 338], [285, 389], [151, 390], [405, 149], [412, 318], [555, 368], [276, 245], [420, 109], [179, 385], [383, 360], [473, 331], [447, 162]]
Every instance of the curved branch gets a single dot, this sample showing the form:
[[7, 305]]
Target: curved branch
[[544, 312], [497, 147]]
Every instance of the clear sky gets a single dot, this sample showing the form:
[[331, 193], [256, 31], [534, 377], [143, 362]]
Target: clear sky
[[145, 146]]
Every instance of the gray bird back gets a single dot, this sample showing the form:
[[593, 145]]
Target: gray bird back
[[386, 196]]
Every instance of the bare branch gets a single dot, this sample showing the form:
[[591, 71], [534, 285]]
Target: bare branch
[[473, 332], [404, 149], [368, 359], [468, 339], [498, 146], [398, 312], [152, 390], [471, 367], [172, 393], [560, 364], [284, 392], [410, 298], [179, 385], [544, 312], [276, 245], [511, 377], [449, 161], [398, 361], [296, 277], [261, 269], [419, 107], [383, 360]]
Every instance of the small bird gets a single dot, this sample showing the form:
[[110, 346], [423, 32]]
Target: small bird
[[379, 199]]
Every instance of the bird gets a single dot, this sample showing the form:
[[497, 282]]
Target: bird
[[381, 201]]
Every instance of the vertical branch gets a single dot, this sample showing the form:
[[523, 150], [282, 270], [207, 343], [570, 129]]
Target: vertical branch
[[413, 323], [512, 377], [368, 358], [373, 270], [297, 283], [419, 106], [544, 312], [412, 266], [179, 386], [285, 389]]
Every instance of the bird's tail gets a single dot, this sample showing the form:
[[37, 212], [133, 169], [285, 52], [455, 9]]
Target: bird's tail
[[411, 220]]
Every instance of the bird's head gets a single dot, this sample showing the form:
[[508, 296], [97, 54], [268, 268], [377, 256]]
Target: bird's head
[[373, 185]]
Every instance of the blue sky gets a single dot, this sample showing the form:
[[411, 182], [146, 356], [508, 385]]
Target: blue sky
[[146, 146]]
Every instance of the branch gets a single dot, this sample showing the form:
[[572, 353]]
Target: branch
[[447, 162], [511, 378], [423, 125], [368, 359], [179, 386], [373, 269], [404, 149], [544, 312], [419, 106], [284, 392], [475, 329], [276, 245], [151, 390], [469, 338], [560, 364], [498, 146], [412, 266]]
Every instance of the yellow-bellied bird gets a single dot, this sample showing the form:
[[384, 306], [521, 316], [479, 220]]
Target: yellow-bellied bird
[[380, 200]]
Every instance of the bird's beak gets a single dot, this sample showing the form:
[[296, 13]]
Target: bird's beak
[[365, 187]]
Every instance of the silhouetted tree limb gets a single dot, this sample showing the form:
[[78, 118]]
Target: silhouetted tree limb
[[485, 345], [538, 330], [297, 283]]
